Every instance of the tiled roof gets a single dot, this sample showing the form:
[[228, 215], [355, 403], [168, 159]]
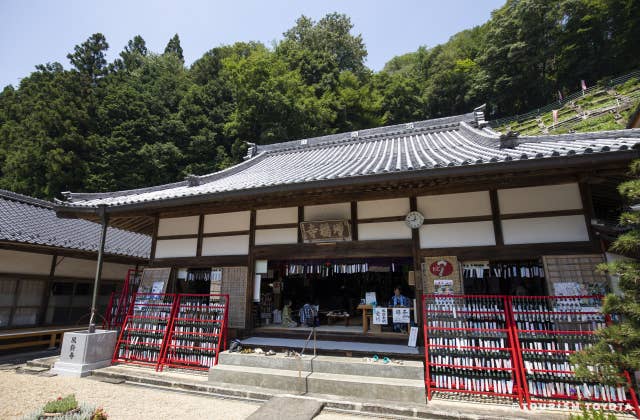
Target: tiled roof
[[30, 220], [420, 147]]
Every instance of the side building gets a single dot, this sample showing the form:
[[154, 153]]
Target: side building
[[47, 264]]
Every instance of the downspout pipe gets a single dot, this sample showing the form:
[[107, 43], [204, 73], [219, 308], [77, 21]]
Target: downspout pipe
[[104, 220]]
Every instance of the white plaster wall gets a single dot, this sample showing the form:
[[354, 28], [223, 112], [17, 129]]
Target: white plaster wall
[[338, 211], [226, 245], [170, 248], [455, 205], [178, 226], [276, 236], [227, 222], [24, 262], [277, 216], [382, 231], [383, 208], [79, 268], [457, 235], [545, 229], [543, 198]]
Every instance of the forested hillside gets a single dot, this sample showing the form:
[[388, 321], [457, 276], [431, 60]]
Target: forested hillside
[[147, 118]]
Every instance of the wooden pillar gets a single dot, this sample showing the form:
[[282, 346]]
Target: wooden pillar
[[354, 220], [104, 218], [495, 213], [154, 237], [587, 207], [44, 304], [251, 270], [417, 261], [200, 235], [300, 220]]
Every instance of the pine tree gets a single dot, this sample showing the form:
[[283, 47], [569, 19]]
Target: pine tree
[[173, 47], [619, 343]]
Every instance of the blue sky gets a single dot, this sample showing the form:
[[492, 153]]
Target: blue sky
[[40, 31]]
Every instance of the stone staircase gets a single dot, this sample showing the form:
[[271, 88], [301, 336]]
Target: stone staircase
[[325, 375]]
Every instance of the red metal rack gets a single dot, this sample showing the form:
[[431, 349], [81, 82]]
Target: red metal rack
[[469, 347], [548, 329], [197, 332], [119, 303], [145, 329]]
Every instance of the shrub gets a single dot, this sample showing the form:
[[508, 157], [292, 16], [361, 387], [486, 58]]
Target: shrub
[[61, 405]]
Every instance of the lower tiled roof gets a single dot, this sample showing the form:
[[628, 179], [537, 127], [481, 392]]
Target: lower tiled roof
[[32, 221]]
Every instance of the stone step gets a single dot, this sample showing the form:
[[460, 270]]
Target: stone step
[[371, 388], [408, 369], [281, 379], [405, 369]]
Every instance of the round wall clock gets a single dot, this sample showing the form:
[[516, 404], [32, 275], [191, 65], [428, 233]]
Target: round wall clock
[[414, 219]]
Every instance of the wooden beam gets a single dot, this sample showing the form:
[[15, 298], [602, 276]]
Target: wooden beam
[[354, 220], [515, 252], [536, 214], [70, 253], [172, 237], [200, 262], [230, 233], [466, 219], [382, 219], [335, 250], [277, 226], [495, 216]]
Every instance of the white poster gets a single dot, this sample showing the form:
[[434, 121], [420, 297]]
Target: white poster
[[370, 298], [380, 316], [413, 337], [157, 287], [401, 315], [443, 286], [256, 287]]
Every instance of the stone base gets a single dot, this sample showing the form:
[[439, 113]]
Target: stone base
[[77, 369], [82, 352]]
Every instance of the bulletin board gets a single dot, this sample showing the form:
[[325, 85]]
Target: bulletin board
[[440, 272]]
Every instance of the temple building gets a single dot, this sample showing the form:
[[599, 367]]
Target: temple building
[[339, 222]]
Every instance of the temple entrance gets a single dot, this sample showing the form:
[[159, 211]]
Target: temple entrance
[[336, 296]]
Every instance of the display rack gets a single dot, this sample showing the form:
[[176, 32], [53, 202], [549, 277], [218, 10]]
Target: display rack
[[197, 332], [548, 329], [120, 302], [469, 346], [145, 329]]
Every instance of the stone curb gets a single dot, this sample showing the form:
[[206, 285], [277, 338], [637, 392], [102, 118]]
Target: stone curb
[[332, 405]]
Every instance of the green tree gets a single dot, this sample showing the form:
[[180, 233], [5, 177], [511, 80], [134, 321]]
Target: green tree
[[89, 58], [618, 346], [173, 47]]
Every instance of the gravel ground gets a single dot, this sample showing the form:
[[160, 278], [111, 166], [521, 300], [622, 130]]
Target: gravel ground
[[21, 394]]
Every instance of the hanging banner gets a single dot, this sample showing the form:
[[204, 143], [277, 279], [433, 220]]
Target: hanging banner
[[380, 316], [413, 337]]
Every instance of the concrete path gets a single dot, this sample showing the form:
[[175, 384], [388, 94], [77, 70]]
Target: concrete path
[[287, 408]]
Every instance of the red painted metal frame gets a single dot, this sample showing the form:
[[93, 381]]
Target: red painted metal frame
[[136, 316], [509, 351], [521, 389], [118, 308], [631, 399], [171, 356]]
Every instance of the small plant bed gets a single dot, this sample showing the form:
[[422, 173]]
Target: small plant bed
[[68, 408]]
